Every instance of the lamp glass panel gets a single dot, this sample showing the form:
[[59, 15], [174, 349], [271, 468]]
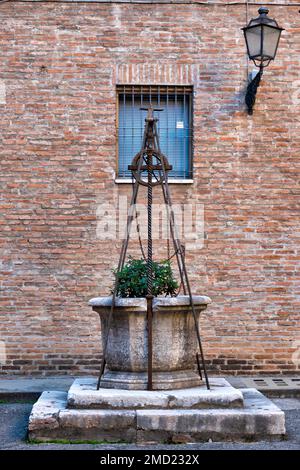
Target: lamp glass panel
[[253, 37], [271, 38]]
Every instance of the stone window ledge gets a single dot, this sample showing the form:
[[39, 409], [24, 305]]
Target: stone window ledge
[[170, 181]]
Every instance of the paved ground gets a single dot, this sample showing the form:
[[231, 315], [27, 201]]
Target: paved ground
[[14, 386], [18, 393], [31, 387], [14, 420]]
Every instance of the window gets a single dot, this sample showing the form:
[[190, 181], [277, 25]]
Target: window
[[174, 125]]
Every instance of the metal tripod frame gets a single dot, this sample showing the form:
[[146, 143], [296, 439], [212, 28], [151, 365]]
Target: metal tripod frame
[[151, 162]]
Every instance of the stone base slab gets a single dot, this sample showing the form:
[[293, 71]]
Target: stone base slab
[[259, 419], [83, 394]]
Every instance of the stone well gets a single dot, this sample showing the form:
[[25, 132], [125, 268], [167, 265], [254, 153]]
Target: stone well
[[122, 410], [174, 342]]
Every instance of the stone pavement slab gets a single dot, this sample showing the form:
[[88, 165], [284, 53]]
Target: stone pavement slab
[[32, 387]]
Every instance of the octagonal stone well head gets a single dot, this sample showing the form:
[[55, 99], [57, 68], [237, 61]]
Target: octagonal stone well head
[[174, 341]]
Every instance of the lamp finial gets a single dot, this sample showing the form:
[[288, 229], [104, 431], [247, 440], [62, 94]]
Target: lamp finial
[[263, 11]]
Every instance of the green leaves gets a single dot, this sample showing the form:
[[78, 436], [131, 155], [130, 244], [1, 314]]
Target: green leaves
[[133, 279]]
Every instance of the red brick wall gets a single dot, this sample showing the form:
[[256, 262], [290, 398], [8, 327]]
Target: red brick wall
[[59, 65]]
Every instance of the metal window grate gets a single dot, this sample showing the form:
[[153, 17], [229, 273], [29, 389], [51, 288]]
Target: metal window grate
[[174, 126]]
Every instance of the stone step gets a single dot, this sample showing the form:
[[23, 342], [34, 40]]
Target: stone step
[[50, 419], [83, 395]]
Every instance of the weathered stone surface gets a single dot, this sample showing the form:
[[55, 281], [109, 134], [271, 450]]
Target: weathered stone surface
[[161, 380], [260, 418], [141, 303], [45, 411], [50, 419], [107, 425], [174, 342], [83, 394], [44, 418], [180, 302]]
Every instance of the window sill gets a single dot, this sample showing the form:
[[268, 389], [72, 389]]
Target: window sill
[[170, 181]]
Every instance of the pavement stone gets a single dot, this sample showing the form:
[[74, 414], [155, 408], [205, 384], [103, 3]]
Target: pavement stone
[[31, 387]]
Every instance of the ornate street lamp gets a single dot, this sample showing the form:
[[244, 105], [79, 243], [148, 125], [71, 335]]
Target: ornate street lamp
[[262, 36]]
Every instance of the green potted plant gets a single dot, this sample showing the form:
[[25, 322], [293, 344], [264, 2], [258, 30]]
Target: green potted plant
[[133, 279]]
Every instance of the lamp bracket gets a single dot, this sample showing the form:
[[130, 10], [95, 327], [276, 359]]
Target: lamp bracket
[[252, 75], [252, 89]]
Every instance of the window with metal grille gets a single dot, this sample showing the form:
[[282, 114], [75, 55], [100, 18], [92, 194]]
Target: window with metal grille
[[174, 125]]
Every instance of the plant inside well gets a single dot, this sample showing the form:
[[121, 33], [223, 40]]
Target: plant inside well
[[133, 279]]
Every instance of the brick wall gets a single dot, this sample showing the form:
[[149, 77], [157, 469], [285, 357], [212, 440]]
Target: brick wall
[[60, 63]]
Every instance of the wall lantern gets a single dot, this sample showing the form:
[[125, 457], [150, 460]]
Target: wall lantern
[[262, 36]]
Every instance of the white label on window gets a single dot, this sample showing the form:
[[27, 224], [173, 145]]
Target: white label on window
[[179, 125]]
